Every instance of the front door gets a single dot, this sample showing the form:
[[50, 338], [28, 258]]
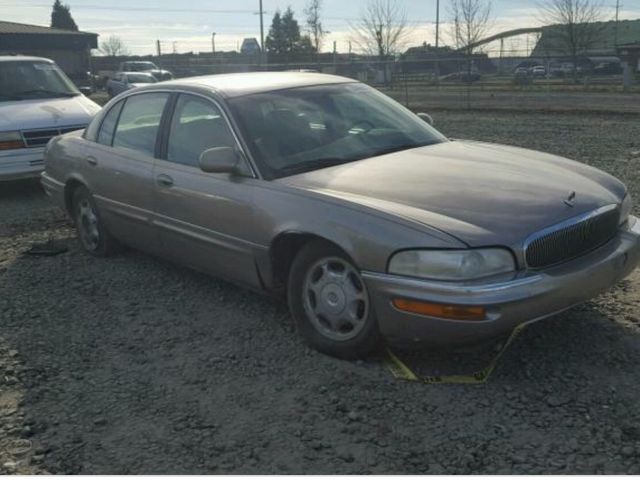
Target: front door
[[204, 220]]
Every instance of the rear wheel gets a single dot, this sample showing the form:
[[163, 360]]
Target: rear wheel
[[330, 303], [93, 234]]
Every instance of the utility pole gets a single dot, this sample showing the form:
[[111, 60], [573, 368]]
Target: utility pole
[[262, 33], [213, 43], [615, 41], [437, 23], [437, 69], [159, 49]]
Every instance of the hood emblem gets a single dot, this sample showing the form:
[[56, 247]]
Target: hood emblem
[[569, 200]]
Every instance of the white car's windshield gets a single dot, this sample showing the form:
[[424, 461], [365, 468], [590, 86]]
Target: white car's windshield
[[303, 129], [21, 80], [140, 78]]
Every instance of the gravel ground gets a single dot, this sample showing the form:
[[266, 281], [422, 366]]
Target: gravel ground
[[134, 365]]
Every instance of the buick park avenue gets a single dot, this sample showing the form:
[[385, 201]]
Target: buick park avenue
[[323, 191]]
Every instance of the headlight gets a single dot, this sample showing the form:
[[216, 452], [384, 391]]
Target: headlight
[[625, 208], [11, 140], [452, 264]]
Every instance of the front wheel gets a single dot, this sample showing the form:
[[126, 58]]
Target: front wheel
[[330, 302]]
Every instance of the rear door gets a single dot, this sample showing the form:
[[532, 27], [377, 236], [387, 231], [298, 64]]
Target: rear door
[[204, 220], [122, 167]]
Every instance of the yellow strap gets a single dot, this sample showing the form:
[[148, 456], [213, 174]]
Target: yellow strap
[[401, 371]]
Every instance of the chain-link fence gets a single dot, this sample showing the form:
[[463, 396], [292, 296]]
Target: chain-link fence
[[456, 82]]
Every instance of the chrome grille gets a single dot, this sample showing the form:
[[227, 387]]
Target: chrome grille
[[557, 245], [40, 137]]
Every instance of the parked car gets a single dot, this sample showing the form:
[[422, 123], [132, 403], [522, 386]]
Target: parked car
[[149, 67], [37, 102], [122, 81], [368, 220], [608, 68], [539, 71], [522, 77], [462, 76]]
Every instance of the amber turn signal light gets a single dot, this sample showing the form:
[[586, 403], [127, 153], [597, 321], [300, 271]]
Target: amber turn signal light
[[452, 312], [11, 145]]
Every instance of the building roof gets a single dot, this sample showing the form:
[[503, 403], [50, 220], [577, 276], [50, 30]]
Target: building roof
[[609, 34], [23, 28]]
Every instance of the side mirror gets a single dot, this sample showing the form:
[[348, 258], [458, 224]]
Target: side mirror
[[220, 160], [426, 117], [86, 91]]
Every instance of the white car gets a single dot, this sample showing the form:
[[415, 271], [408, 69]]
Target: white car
[[122, 81], [37, 103]]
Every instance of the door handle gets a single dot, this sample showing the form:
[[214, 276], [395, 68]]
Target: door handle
[[164, 180], [92, 160]]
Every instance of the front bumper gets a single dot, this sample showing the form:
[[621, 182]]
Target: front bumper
[[528, 297], [22, 163]]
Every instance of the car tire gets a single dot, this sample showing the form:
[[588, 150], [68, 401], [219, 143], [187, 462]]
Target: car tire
[[330, 302], [92, 232]]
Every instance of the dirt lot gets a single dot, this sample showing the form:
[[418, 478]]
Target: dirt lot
[[134, 365]]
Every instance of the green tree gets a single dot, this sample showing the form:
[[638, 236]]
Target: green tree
[[61, 17], [275, 42], [284, 35]]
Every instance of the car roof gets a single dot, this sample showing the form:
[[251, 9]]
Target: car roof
[[239, 84], [23, 58]]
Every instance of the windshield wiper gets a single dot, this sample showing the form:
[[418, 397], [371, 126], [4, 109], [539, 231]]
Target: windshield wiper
[[399, 148], [45, 92], [313, 165], [10, 97]]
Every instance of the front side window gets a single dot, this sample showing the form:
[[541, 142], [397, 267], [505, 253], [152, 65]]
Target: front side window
[[197, 125], [303, 129], [140, 121], [21, 80], [105, 135]]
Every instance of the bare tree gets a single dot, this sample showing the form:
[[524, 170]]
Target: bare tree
[[574, 25], [470, 22], [382, 29], [113, 47], [316, 32]]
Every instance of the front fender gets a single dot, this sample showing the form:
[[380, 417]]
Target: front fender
[[368, 236]]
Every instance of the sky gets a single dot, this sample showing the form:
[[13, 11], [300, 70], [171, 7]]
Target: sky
[[187, 25]]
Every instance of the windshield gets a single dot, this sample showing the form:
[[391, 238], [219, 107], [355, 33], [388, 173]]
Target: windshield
[[302, 129], [139, 78], [22, 80], [141, 66]]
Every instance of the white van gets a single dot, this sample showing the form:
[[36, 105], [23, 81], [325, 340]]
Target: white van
[[37, 102]]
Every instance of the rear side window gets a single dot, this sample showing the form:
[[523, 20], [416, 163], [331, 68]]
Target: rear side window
[[197, 125], [140, 121], [105, 135]]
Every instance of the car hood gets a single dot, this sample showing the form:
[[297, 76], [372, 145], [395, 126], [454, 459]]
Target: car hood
[[46, 113], [483, 194]]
